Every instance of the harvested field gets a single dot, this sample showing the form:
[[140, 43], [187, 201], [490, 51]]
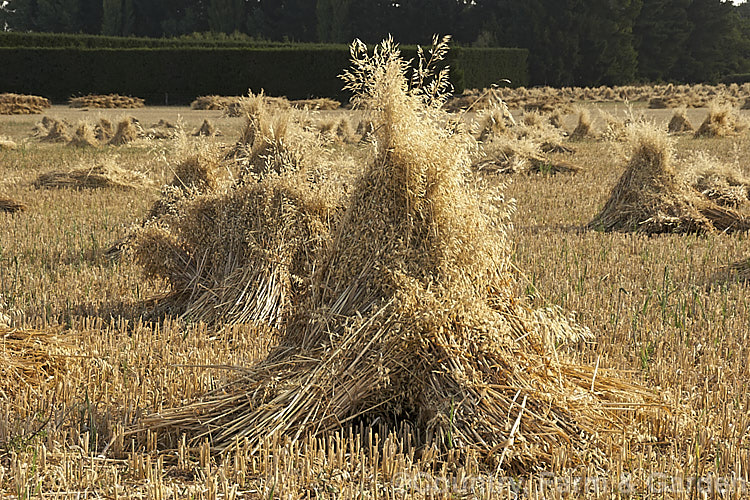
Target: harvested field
[[373, 278], [112, 101], [380, 306]]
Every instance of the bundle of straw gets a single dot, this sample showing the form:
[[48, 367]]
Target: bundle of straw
[[104, 174], [105, 101], [679, 122], [84, 136], [651, 197], [722, 121], [17, 104], [127, 131], [6, 144], [236, 254], [207, 129], [52, 130], [272, 140], [411, 313]]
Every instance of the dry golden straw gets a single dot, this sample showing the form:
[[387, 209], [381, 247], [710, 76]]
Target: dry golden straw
[[27, 358], [411, 313], [721, 121], [17, 104], [105, 101], [6, 144], [11, 206], [105, 174], [126, 132], [651, 197], [679, 123], [207, 129], [84, 136], [52, 130]]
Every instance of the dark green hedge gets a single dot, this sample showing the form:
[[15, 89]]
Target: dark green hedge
[[480, 68], [150, 73], [738, 78], [69, 40]]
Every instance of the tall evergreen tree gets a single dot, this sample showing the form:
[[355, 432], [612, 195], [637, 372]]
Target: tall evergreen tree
[[59, 16], [333, 21], [607, 44], [369, 19], [661, 30], [714, 45], [417, 21], [226, 16], [552, 33], [184, 17], [111, 17]]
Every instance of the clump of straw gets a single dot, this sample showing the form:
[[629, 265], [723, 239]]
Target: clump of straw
[[214, 102], [6, 144], [196, 174], [651, 197], [724, 184], [126, 132], [207, 129], [84, 136], [52, 130], [105, 101], [679, 124], [163, 129], [105, 174], [739, 271], [29, 358], [505, 154], [510, 147], [18, 104], [411, 314], [721, 121], [338, 130], [584, 129], [104, 130], [238, 253], [272, 140], [234, 105], [321, 104]]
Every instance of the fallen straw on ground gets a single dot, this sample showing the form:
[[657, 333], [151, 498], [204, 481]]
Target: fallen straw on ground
[[103, 174]]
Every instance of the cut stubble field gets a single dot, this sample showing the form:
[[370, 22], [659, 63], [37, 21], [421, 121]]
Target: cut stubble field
[[660, 309]]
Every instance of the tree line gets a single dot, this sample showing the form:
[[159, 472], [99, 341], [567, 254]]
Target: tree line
[[571, 42]]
